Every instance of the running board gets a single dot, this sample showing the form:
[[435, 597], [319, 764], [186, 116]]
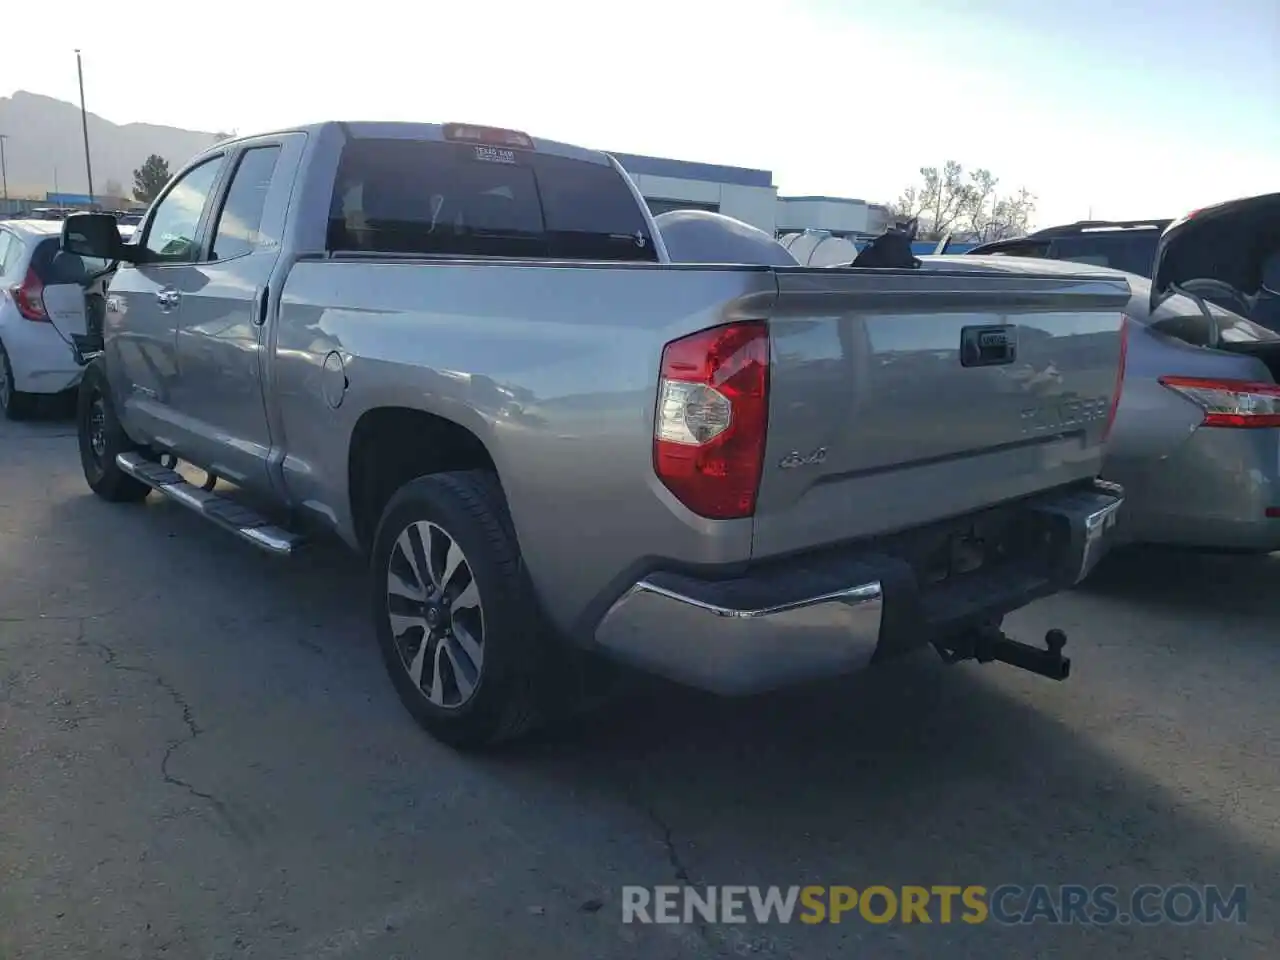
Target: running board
[[247, 524]]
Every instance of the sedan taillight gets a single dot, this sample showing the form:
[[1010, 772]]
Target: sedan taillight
[[1230, 403], [28, 296]]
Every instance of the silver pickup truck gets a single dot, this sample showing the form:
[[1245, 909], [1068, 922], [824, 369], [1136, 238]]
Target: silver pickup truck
[[467, 354]]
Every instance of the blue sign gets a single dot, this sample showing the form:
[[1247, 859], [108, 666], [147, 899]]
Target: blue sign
[[68, 199]]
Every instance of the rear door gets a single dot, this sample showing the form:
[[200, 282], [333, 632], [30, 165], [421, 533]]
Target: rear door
[[145, 302], [218, 397]]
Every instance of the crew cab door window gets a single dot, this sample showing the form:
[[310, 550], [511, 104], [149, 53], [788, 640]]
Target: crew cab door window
[[238, 230], [172, 234]]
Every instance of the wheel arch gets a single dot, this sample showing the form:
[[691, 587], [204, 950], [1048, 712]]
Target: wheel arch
[[391, 445]]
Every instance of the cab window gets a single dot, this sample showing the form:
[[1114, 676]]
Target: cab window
[[171, 235], [240, 221]]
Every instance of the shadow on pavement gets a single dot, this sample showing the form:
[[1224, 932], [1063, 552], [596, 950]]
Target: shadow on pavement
[[913, 774], [1242, 584], [917, 774]]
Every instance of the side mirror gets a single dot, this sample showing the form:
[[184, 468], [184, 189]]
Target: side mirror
[[95, 235]]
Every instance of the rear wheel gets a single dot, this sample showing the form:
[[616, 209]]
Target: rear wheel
[[459, 630], [102, 439], [13, 404]]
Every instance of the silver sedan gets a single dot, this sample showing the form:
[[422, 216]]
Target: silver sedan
[[1196, 439]]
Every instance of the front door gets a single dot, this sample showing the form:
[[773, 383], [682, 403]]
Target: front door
[[145, 302], [221, 335]]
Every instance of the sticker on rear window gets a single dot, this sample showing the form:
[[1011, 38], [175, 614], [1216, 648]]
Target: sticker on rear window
[[495, 155]]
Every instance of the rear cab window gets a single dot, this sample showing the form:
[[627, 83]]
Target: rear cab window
[[429, 197]]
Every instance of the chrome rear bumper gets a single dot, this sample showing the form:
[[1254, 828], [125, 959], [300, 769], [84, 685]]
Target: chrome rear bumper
[[739, 649], [810, 617]]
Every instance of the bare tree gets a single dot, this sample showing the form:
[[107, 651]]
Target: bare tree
[[938, 202], [995, 217], [948, 201]]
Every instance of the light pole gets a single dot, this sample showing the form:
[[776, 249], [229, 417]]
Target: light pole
[[4, 171], [84, 126]]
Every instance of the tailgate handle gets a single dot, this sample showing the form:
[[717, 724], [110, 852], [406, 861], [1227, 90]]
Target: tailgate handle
[[988, 346]]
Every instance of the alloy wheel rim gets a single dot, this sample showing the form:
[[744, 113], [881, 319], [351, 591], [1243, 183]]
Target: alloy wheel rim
[[98, 428], [437, 618]]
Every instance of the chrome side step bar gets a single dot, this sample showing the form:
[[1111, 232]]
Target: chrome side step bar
[[247, 524]]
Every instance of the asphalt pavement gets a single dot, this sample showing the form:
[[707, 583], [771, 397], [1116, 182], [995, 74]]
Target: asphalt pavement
[[201, 757]]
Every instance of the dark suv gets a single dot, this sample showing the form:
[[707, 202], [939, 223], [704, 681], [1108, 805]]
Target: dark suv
[[1121, 245]]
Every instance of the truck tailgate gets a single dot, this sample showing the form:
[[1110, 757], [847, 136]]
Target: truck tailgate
[[878, 422]]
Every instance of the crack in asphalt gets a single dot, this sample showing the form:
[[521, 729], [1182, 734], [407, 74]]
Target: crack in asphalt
[[681, 872], [668, 841], [78, 618], [194, 730], [731, 941]]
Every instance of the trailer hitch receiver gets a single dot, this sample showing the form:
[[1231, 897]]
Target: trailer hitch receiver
[[987, 643]]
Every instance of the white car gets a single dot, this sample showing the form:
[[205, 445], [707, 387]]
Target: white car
[[46, 298]]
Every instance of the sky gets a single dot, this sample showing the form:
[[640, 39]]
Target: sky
[[1105, 108]]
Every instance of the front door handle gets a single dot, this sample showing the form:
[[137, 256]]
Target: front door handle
[[168, 297]]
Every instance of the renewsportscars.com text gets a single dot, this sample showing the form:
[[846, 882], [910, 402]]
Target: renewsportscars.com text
[[1007, 904]]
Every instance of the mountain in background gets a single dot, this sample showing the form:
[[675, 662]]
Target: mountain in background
[[44, 142]]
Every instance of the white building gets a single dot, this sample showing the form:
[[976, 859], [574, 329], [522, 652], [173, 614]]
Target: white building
[[748, 195], [837, 216]]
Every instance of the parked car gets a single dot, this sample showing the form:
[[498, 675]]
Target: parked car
[[468, 354], [1131, 246], [48, 213], [1128, 245], [46, 298], [1196, 442]]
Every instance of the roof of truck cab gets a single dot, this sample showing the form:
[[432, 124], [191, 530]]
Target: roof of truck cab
[[397, 130]]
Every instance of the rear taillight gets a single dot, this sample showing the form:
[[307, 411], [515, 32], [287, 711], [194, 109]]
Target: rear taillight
[[28, 296], [709, 429], [1230, 403], [1119, 390]]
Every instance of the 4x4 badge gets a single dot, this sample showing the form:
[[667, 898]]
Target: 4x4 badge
[[796, 459]]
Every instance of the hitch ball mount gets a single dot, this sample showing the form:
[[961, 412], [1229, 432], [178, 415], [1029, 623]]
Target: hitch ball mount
[[987, 643]]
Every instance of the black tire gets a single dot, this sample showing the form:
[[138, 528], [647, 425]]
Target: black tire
[[13, 404], [510, 696], [102, 474]]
